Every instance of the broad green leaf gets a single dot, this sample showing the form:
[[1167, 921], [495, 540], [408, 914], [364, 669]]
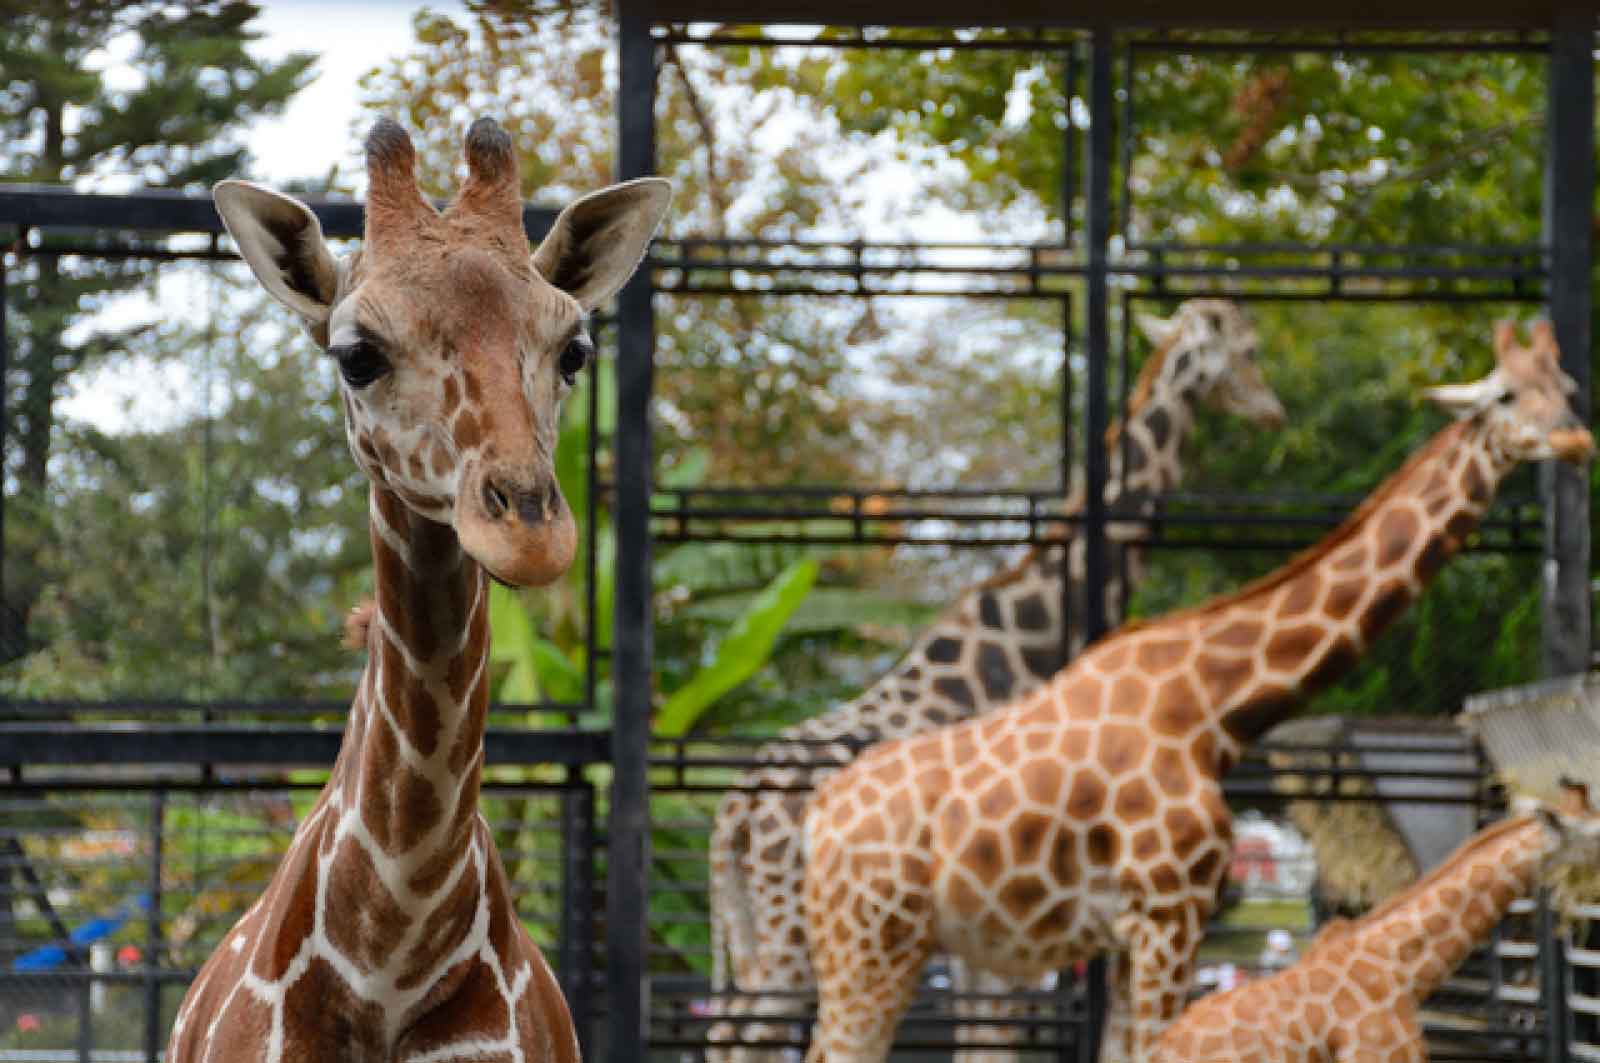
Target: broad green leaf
[[741, 653]]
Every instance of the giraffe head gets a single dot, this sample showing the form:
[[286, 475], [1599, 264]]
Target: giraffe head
[[455, 340], [1523, 404], [1572, 827], [1210, 347]]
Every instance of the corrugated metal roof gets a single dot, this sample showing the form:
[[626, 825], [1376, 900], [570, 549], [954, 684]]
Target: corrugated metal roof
[[1538, 733]]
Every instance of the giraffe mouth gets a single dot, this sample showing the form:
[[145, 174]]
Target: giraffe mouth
[[1573, 445]]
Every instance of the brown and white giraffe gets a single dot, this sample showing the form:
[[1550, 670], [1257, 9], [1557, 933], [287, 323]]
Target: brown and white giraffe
[[998, 641], [388, 932], [1355, 994], [1088, 817]]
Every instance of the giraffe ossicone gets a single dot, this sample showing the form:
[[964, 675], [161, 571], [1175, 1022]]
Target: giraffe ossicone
[[1088, 817], [388, 931], [1356, 993], [997, 642]]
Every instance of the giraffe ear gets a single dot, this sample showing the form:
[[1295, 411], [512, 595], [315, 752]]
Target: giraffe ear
[[598, 241], [282, 241], [1463, 400], [1158, 330]]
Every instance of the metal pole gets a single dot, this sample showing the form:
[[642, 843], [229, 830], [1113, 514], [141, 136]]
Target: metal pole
[[152, 949], [628, 844], [1097, 217], [1569, 197], [577, 904]]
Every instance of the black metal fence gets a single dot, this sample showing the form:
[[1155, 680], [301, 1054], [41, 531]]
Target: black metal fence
[[190, 803]]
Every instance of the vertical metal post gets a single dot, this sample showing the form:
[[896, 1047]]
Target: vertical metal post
[[1097, 231], [1568, 201], [5, 372], [1552, 983], [577, 904], [628, 841], [153, 1027]]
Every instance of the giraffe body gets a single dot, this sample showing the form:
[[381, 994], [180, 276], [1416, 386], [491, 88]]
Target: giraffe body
[[1356, 993], [1000, 640], [388, 933], [1088, 816]]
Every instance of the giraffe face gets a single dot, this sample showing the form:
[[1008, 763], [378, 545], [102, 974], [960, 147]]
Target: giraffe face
[[1572, 828], [455, 341], [1212, 356], [1523, 404]]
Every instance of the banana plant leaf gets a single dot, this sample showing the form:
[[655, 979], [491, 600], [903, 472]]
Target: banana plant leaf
[[743, 650]]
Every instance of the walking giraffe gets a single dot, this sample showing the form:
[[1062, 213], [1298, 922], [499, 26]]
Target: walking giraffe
[[1355, 995], [998, 641], [388, 932], [1089, 817]]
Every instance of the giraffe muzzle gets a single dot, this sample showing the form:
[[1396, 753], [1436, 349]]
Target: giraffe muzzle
[[522, 533]]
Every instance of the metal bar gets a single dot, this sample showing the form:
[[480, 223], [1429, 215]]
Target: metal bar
[[1338, 47], [576, 955], [10, 640], [1097, 225], [726, 40], [1569, 198], [153, 1027], [1069, 148], [30, 743], [158, 210], [628, 860]]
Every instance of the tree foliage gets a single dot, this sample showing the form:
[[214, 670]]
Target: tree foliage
[[177, 123]]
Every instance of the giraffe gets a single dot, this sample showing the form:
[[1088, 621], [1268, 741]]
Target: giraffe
[[388, 931], [1088, 817], [998, 640], [1356, 992]]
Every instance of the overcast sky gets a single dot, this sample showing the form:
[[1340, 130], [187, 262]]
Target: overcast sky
[[350, 37]]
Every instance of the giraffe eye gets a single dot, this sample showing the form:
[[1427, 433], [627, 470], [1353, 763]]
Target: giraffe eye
[[1507, 398], [360, 363], [574, 357]]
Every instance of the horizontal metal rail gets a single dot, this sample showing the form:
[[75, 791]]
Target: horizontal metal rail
[[170, 212], [42, 744]]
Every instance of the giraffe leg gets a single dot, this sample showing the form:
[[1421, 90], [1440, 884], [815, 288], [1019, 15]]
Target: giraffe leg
[[1161, 962], [1116, 1036], [870, 939], [759, 901], [989, 1024]]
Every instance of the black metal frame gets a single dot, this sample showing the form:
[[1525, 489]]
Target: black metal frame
[[1078, 273], [1556, 272]]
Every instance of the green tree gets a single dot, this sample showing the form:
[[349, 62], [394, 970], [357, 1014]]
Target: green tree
[[178, 123]]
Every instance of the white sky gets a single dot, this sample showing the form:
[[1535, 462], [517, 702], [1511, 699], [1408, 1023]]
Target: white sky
[[351, 37]]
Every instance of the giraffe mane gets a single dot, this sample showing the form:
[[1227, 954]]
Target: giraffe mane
[[358, 624], [1445, 439], [1488, 835]]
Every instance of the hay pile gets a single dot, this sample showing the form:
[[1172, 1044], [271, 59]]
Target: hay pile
[[1361, 857]]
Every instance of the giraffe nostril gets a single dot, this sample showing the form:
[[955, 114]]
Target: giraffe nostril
[[494, 500]]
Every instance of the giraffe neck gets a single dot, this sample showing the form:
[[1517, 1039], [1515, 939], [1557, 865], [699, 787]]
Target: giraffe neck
[[1425, 933], [1146, 449], [1256, 654], [407, 779]]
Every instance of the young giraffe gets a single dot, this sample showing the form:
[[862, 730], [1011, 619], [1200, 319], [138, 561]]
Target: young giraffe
[[388, 932], [1354, 996], [1089, 817], [999, 640]]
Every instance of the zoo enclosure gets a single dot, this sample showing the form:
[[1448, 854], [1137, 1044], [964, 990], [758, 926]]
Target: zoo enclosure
[[192, 749], [1086, 272]]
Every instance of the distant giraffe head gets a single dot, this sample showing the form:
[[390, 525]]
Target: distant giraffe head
[[455, 340], [1208, 350], [1522, 404]]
